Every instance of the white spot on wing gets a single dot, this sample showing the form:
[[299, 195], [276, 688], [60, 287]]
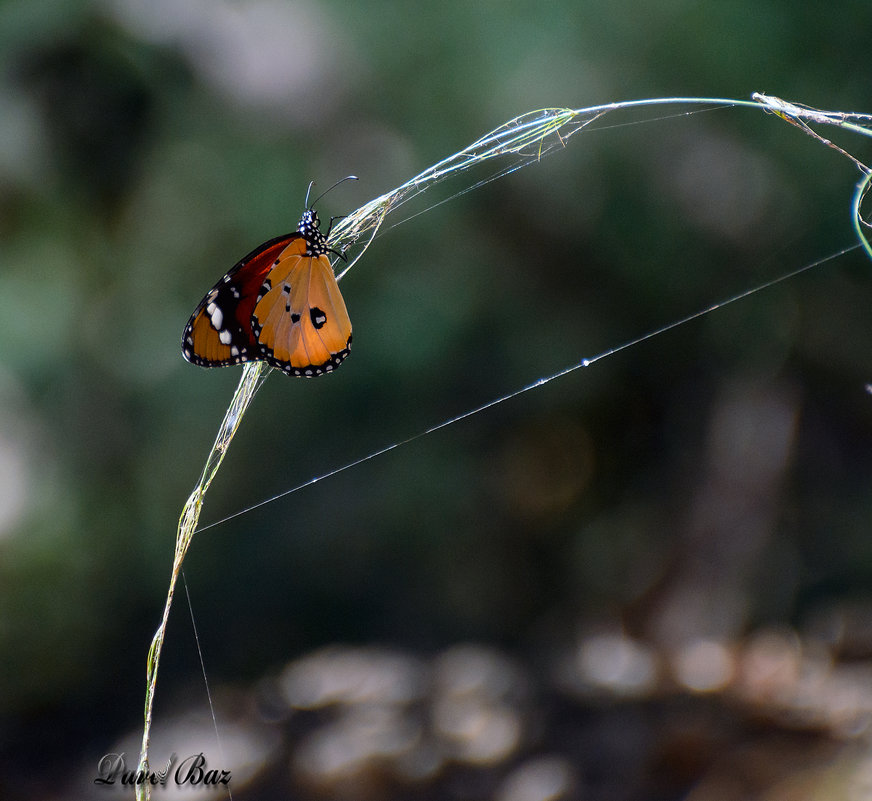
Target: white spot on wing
[[216, 316]]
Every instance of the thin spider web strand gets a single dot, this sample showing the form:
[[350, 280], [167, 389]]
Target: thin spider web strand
[[586, 362], [205, 677]]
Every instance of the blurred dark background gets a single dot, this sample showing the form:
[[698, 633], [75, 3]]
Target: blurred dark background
[[651, 579]]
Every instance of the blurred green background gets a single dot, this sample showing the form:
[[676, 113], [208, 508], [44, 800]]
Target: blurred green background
[[708, 486]]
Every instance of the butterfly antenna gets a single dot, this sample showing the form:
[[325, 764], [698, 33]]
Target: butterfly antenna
[[315, 201]]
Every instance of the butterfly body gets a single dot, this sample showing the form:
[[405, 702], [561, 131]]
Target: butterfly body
[[280, 304]]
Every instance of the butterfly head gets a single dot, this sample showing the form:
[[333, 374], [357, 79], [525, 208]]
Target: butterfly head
[[310, 229], [309, 222]]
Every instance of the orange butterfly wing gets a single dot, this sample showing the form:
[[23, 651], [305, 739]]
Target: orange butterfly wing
[[219, 332], [300, 320]]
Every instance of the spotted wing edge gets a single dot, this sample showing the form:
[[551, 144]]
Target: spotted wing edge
[[240, 334]]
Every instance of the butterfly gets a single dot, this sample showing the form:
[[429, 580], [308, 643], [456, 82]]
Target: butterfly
[[280, 304]]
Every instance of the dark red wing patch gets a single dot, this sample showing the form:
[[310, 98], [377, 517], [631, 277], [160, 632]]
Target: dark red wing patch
[[219, 331]]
